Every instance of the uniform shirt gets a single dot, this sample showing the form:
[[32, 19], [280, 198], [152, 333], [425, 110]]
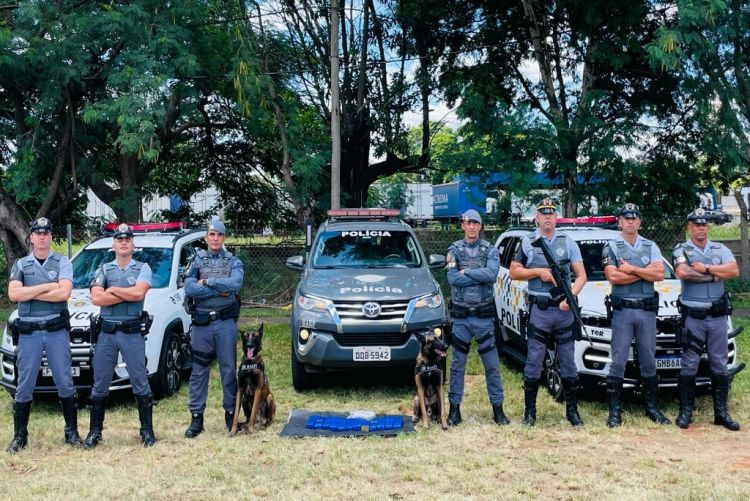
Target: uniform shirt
[[215, 286], [65, 272], [614, 259], [526, 251], [473, 276], [143, 276], [725, 256]]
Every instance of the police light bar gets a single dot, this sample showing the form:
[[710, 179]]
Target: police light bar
[[364, 213], [146, 227], [587, 220]]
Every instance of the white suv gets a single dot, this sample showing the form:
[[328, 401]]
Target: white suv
[[167, 248], [593, 360]]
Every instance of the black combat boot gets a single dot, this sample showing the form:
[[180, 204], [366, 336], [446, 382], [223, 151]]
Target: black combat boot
[[96, 422], [498, 415], [70, 414], [651, 400], [196, 426], [454, 415], [720, 392], [570, 388], [229, 419], [21, 411], [530, 389], [145, 412], [687, 401], [614, 397]]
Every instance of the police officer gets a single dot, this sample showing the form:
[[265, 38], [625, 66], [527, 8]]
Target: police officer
[[703, 266], [119, 288], [472, 265], [550, 317], [213, 280], [632, 264], [41, 284]]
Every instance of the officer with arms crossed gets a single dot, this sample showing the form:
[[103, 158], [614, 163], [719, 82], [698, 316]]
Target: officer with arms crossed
[[703, 266], [472, 265], [632, 264], [41, 283], [550, 318], [119, 288], [213, 280]]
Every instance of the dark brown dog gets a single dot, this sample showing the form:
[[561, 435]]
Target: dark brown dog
[[429, 374], [253, 391]]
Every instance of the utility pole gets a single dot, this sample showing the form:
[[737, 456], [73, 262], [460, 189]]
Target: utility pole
[[335, 110]]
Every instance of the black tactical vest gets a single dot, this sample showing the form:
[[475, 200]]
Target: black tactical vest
[[475, 295], [219, 266]]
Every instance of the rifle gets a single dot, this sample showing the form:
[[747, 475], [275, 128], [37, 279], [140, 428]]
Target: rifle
[[563, 285]]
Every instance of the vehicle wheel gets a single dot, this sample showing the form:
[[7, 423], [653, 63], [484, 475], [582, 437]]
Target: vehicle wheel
[[168, 378], [301, 380], [552, 377]]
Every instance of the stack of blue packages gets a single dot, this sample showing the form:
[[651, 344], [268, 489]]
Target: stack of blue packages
[[336, 423]]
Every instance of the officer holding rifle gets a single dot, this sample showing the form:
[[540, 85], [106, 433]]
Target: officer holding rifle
[[551, 318]]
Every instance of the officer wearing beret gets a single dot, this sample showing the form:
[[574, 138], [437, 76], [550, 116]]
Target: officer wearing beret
[[703, 266], [41, 284], [472, 265], [550, 318], [213, 280], [632, 264], [119, 288]]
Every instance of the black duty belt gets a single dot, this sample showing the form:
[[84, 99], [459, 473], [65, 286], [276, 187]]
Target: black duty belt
[[51, 325], [126, 326], [719, 308], [206, 317], [483, 311], [544, 302], [648, 304]]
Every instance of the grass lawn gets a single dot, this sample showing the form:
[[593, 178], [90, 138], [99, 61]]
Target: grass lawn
[[477, 459]]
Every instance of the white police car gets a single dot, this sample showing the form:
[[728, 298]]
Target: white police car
[[167, 248], [593, 359]]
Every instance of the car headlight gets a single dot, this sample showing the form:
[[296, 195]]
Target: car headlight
[[313, 303], [431, 301]]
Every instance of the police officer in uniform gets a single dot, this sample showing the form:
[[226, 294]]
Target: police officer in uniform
[[472, 265], [703, 266], [41, 284], [632, 264], [213, 280], [119, 288], [550, 317]]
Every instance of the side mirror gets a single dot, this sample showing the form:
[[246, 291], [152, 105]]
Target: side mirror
[[296, 263], [436, 261]]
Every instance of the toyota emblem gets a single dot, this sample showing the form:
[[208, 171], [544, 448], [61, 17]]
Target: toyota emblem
[[371, 309]]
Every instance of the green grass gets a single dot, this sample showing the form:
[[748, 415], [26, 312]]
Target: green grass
[[477, 459]]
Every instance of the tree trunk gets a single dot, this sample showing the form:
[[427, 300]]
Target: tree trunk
[[744, 244], [14, 229]]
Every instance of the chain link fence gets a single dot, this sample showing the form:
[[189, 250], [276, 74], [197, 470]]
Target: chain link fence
[[268, 282]]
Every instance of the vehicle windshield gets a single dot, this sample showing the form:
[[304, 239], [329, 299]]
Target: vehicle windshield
[[88, 261], [366, 249], [591, 251]]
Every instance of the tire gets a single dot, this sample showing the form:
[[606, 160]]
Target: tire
[[301, 380], [552, 377], [168, 378]]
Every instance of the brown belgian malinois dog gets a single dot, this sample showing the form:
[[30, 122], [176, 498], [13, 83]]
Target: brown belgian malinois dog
[[429, 374], [253, 392]]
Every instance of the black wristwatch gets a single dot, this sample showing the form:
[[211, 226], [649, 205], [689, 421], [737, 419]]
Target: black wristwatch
[[708, 268]]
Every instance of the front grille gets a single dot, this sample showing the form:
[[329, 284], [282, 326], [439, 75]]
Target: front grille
[[372, 339], [389, 310]]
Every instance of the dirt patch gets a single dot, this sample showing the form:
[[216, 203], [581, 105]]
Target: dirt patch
[[742, 463]]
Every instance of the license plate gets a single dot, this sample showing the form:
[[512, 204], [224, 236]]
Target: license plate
[[372, 354], [669, 363], [47, 372]]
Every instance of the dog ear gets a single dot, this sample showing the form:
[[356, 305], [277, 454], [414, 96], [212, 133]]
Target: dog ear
[[260, 331]]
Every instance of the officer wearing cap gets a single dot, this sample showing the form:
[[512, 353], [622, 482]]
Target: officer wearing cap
[[119, 288], [703, 266], [41, 284], [632, 264], [550, 318], [472, 265], [213, 280]]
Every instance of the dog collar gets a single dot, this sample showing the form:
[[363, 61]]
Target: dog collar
[[422, 368], [254, 366]]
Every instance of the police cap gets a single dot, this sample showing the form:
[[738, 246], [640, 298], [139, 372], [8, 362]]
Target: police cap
[[546, 206], [630, 211], [217, 226], [698, 216], [41, 225], [472, 215], [123, 231]]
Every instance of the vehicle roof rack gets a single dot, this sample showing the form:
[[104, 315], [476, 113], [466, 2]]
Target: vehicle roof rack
[[140, 228]]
